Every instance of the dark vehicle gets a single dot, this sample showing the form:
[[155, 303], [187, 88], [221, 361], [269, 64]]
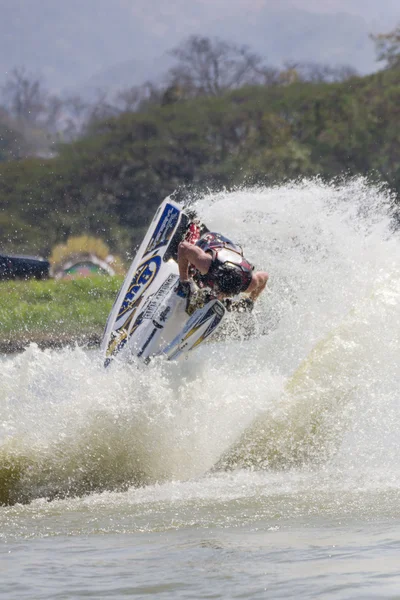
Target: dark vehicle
[[23, 267]]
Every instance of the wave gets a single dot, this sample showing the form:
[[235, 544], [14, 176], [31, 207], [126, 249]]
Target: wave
[[314, 383]]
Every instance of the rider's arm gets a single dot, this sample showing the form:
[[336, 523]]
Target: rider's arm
[[190, 254], [257, 284]]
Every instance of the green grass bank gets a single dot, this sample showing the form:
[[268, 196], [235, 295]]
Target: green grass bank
[[54, 313]]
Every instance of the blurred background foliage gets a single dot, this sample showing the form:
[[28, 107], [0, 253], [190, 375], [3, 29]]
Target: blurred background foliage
[[221, 119]]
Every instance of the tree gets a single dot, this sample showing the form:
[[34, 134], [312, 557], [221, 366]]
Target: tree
[[12, 144], [137, 98], [315, 73], [75, 117], [109, 182], [388, 47], [24, 96], [101, 109], [32, 111], [212, 66]]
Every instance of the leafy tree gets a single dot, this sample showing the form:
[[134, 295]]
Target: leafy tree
[[108, 183], [388, 47], [318, 73], [12, 143]]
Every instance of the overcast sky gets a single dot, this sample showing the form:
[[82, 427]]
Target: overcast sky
[[68, 42]]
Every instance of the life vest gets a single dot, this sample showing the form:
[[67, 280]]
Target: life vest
[[224, 253]]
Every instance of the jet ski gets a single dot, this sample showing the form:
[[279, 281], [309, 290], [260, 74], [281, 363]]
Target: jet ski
[[149, 317]]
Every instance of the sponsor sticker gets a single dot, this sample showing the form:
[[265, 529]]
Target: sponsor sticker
[[162, 292], [162, 317], [219, 310], [144, 276], [165, 228]]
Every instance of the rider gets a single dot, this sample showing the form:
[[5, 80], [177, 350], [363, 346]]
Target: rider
[[215, 262]]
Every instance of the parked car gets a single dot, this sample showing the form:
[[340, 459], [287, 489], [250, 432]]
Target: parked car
[[23, 267]]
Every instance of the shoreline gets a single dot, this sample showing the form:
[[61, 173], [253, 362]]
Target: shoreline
[[44, 342]]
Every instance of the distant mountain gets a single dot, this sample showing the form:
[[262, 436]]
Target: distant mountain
[[91, 44]]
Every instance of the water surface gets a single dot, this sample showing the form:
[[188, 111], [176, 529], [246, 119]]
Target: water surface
[[264, 466]]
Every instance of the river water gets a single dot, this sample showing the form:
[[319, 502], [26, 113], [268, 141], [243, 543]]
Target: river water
[[266, 465]]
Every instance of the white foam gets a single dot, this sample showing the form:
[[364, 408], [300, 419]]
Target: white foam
[[328, 249]]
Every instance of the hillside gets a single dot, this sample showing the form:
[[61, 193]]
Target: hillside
[[110, 182]]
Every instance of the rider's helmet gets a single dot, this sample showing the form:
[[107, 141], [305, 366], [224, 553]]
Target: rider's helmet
[[230, 280]]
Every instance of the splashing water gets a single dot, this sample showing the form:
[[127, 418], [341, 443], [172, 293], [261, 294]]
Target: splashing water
[[308, 381]]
